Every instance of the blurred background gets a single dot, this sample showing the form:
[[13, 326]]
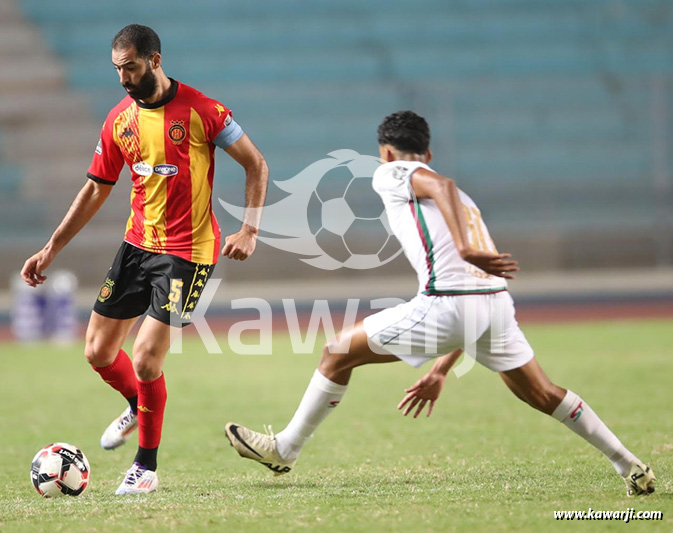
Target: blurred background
[[556, 117]]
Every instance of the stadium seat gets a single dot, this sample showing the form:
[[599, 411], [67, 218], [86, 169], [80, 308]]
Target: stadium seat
[[525, 96]]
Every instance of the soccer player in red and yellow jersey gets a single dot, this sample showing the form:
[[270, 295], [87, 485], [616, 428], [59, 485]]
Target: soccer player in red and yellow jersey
[[166, 132]]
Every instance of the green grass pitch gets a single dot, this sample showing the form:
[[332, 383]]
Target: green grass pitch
[[482, 462]]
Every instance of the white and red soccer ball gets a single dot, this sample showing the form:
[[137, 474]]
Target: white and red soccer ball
[[60, 469]]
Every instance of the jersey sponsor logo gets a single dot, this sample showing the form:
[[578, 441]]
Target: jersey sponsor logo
[[127, 133], [142, 169], [220, 109], [177, 132], [106, 290], [99, 147], [165, 170]]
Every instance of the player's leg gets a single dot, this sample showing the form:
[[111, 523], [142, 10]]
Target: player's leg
[[149, 353], [504, 349], [103, 351], [327, 386], [347, 351], [170, 307], [414, 332], [123, 297], [530, 383], [104, 339]]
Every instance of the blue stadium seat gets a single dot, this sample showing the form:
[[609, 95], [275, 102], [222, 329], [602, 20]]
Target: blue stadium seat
[[526, 98], [10, 179]]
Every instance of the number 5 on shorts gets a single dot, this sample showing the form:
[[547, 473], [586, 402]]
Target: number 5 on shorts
[[176, 290]]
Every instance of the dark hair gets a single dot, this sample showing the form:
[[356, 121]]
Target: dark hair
[[405, 131], [144, 39]]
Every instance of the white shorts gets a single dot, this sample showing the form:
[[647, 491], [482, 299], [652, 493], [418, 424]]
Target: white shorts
[[428, 327]]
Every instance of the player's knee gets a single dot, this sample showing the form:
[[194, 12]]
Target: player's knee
[[145, 368], [98, 352], [145, 363], [333, 360]]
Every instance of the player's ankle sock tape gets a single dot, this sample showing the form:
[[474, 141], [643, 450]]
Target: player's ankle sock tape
[[147, 457], [133, 404], [120, 375]]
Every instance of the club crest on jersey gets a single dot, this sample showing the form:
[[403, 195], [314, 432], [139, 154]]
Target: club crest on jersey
[[177, 132], [106, 290]]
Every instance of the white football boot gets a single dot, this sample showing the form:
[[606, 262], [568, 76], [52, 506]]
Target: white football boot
[[119, 431], [138, 480], [640, 480], [258, 447]]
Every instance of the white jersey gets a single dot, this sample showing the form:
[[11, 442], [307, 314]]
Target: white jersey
[[425, 236]]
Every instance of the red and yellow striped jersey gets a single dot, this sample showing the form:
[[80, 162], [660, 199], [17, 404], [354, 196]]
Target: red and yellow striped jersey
[[169, 147]]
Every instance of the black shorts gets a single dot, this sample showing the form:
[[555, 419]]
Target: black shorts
[[166, 286]]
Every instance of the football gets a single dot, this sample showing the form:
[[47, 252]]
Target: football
[[60, 469]]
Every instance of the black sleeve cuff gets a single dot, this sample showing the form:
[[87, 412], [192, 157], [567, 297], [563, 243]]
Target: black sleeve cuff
[[99, 180]]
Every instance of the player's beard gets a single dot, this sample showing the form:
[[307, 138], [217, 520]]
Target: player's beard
[[145, 88]]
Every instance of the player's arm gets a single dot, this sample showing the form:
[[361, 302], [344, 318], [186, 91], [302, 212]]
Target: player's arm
[[429, 387], [443, 191], [240, 245], [84, 207]]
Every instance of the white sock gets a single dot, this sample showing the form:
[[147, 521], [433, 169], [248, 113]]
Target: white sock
[[320, 398], [580, 418]]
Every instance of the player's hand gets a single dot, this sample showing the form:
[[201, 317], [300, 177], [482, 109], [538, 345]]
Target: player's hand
[[427, 389], [33, 268], [239, 245], [500, 265]]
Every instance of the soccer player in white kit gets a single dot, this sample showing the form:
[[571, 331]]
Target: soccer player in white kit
[[462, 302]]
